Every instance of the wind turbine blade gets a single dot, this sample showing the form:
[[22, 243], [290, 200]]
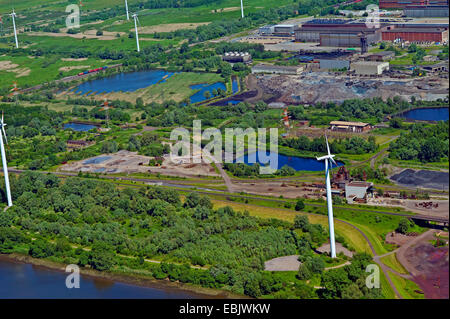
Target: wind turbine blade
[[332, 159], [4, 133], [328, 146]]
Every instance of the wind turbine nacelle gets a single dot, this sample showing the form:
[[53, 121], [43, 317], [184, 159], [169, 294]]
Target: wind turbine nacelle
[[325, 157]]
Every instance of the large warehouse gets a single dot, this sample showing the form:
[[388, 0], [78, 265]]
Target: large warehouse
[[369, 67], [426, 11], [337, 33], [277, 69], [401, 4], [416, 34]]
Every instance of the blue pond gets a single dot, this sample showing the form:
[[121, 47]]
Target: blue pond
[[234, 85], [233, 102], [79, 127], [97, 160], [428, 114], [125, 82], [297, 163], [199, 96]]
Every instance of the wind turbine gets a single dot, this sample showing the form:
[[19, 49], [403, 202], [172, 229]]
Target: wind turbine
[[13, 16], [242, 9], [5, 166], [136, 20], [126, 8], [328, 163]]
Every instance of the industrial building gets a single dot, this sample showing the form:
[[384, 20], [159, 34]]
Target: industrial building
[[344, 126], [415, 34], [284, 30], [402, 4], [356, 191], [380, 56], [337, 33], [426, 11], [325, 64], [370, 67], [277, 69], [237, 57], [266, 30], [439, 67]]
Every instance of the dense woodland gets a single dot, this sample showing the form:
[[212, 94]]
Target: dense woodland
[[94, 224], [426, 143]]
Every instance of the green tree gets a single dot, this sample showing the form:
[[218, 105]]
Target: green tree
[[301, 222], [403, 226], [300, 205], [102, 256]]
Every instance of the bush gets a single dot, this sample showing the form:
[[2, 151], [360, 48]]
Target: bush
[[300, 205]]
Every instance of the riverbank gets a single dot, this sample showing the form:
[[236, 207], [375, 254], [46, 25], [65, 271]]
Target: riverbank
[[136, 280]]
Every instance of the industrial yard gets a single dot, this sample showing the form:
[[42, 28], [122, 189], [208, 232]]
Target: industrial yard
[[125, 162]]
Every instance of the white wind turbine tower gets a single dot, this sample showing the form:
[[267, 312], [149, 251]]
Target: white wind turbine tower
[[328, 163], [242, 9], [13, 16], [5, 166], [126, 8], [136, 20]]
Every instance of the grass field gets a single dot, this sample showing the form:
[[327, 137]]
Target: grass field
[[392, 262], [407, 288], [385, 287], [176, 88]]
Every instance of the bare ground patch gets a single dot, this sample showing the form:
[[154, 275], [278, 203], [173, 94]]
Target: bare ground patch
[[229, 9], [72, 59], [76, 67], [7, 65], [169, 27], [89, 34], [285, 263]]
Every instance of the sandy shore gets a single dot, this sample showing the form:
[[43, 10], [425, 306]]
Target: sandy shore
[[166, 285]]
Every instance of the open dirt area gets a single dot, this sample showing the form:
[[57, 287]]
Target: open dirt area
[[7, 65], [89, 34], [269, 188], [398, 239], [77, 67], [130, 162], [285, 263], [325, 248], [438, 208], [428, 265], [168, 27], [422, 178], [72, 59], [229, 9], [314, 87]]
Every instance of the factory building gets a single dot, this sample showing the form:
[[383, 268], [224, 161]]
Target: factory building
[[426, 11], [356, 191], [277, 69], [381, 56], [326, 64], [349, 37], [237, 57], [284, 30], [370, 67], [337, 33], [266, 30], [416, 34], [344, 126], [402, 4]]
